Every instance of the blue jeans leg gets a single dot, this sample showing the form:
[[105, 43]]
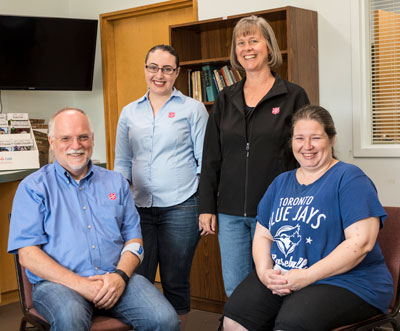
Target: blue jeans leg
[[235, 236], [170, 237], [145, 308], [141, 305], [62, 307]]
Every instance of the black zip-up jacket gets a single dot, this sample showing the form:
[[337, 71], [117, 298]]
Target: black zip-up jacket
[[242, 156]]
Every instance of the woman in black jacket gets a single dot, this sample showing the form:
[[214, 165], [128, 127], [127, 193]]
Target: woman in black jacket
[[246, 145]]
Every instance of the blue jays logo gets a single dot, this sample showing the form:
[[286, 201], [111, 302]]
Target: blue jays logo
[[287, 238]]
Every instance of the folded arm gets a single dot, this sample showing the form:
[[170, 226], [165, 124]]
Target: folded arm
[[360, 240], [38, 262]]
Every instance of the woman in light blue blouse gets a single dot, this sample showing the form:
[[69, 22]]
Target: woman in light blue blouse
[[158, 149]]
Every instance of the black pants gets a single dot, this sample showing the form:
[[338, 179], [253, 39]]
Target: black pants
[[316, 307]]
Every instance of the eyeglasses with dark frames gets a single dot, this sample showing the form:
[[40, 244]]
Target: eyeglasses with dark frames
[[168, 70]]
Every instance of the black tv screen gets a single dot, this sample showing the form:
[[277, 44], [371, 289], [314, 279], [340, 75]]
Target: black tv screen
[[43, 53]]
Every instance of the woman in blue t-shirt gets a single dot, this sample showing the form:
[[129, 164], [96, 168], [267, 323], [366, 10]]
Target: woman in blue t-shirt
[[318, 264]]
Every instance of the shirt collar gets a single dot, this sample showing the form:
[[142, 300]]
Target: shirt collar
[[175, 94], [65, 174]]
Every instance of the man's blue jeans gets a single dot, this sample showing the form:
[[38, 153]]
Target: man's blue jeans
[[141, 305], [235, 237], [170, 237]]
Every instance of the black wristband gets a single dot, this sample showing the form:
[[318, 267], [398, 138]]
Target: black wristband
[[123, 275]]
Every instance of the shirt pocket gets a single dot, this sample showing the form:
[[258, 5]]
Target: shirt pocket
[[110, 217]]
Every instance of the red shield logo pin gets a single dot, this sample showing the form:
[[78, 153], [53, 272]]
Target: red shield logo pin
[[276, 110], [171, 114], [112, 196]]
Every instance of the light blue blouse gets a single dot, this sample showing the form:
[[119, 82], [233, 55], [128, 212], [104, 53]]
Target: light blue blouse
[[161, 155]]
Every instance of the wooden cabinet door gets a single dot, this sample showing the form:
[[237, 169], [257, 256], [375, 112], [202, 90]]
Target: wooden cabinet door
[[8, 279]]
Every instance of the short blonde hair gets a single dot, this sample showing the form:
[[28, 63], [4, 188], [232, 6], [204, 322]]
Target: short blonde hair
[[251, 24]]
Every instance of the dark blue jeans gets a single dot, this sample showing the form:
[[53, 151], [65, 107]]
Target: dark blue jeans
[[170, 237], [141, 305]]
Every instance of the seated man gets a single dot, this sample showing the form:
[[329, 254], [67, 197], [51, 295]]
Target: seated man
[[76, 229]]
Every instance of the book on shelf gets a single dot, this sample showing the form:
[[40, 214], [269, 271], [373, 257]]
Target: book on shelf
[[227, 75], [215, 82], [224, 78], [203, 86], [200, 95], [223, 82], [235, 75], [211, 88], [217, 77], [190, 89], [194, 86]]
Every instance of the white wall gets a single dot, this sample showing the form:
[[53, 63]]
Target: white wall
[[334, 72]]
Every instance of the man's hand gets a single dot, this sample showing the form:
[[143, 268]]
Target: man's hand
[[112, 289], [88, 288]]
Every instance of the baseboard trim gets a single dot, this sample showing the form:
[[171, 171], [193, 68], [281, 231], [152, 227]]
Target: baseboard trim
[[9, 297], [207, 305]]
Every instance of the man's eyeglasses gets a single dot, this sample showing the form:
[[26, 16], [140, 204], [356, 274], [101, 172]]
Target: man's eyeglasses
[[165, 70], [68, 140]]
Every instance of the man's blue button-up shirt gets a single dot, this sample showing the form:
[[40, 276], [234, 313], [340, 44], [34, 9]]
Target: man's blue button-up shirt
[[161, 155], [83, 226]]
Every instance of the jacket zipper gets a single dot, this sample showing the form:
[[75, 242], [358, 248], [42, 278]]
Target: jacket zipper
[[246, 178]]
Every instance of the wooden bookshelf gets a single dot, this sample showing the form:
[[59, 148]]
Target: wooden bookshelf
[[209, 42]]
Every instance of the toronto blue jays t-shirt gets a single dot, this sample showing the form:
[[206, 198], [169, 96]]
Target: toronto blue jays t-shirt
[[307, 223]]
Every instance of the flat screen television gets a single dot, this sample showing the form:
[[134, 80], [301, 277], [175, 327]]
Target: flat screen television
[[47, 53]]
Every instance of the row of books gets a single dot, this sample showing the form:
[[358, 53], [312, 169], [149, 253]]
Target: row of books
[[205, 84]]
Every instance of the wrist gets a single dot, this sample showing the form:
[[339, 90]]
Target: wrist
[[310, 275], [123, 275]]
